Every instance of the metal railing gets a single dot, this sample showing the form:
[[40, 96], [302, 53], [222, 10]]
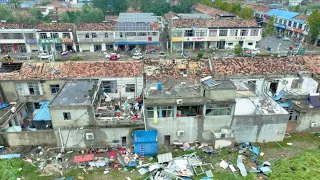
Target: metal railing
[[9, 114]]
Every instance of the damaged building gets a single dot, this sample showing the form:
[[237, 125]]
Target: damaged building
[[69, 98]]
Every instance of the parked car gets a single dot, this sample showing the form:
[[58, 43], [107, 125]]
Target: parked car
[[24, 57], [137, 56], [112, 56], [45, 56], [286, 38], [162, 54]]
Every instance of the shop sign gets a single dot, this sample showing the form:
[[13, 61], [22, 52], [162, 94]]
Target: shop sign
[[240, 37], [66, 40], [96, 40], [49, 41], [297, 30], [138, 38], [177, 39], [195, 39], [31, 41]]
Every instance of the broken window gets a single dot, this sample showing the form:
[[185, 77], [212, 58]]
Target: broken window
[[296, 84], [218, 109], [188, 33], [43, 36], [33, 88], [130, 87], [67, 116], [162, 111], [223, 32], [66, 35], [54, 88], [109, 86], [184, 111]]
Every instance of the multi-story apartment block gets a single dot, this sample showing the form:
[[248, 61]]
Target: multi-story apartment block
[[56, 37], [137, 30], [17, 38], [289, 23], [213, 33], [96, 36]]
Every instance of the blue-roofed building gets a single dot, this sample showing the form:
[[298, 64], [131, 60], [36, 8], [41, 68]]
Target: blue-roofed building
[[145, 142], [4, 2], [289, 23], [42, 118]]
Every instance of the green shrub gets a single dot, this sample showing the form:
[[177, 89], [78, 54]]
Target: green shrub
[[200, 54]]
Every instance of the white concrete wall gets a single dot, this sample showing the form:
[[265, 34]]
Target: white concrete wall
[[121, 83], [79, 117]]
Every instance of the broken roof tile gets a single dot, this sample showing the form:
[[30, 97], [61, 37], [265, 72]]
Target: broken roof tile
[[55, 27], [107, 26], [209, 10]]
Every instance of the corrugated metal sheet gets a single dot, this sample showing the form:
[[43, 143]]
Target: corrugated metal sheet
[[166, 157], [146, 140]]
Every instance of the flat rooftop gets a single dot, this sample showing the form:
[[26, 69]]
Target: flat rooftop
[[76, 93]]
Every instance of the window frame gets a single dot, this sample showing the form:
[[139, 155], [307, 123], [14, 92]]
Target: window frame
[[54, 87], [233, 32], [66, 35], [244, 32], [223, 34], [213, 32], [66, 116], [35, 87], [128, 89], [94, 35], [43, 35], [254, 32], [220, 109], [54, 35]]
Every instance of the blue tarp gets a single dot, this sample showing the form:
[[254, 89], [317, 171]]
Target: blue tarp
[[314, 99], [4, 105], [287, 103], [10, 156], [42, 114], [279, 96], [146, 140], [255, 149], [282, 13]]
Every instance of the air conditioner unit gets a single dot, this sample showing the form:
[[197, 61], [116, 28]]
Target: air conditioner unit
[[179, 101], [313, 124], [180, 133], [89, 136]]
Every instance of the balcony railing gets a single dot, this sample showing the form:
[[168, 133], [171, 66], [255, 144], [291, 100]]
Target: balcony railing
[[116, 122]]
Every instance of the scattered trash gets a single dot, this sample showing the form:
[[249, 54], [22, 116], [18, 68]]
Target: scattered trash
[[143, 171], [209, 174], [262, 153], [240, 165], [290, 144], [224, 164], [80, 177]]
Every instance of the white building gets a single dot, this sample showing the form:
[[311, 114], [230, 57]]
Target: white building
[[96, 36], [17, 38], [56, 37], [222, 34]]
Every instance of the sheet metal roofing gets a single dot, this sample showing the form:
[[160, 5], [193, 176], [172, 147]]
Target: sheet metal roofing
[[282, 13], [137, 17], [42, 114], [77, 92]]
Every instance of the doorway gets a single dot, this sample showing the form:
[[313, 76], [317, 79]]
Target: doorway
[[241, 43], [167, 140], [273, 87], [97, 47], [221, 44], [124, 141]]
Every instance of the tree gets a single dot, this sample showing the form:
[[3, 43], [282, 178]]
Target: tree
[[246, 13], [237, 49], [15, 4], [314, 24], [305, 11], [111, 6], [184, 6], [270, 28], [297, 8], [86, 15], [6, 14]]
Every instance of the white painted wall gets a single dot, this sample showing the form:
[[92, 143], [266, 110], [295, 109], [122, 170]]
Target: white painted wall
[[245, 106], [121, 83], [79, 117]]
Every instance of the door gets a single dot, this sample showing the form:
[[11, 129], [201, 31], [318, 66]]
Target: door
[[221, 44], [167, 140], [241, 43], [124, 141]]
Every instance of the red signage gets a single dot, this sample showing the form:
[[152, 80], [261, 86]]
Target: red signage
[[197, 38], [297, 30], [66, 40]]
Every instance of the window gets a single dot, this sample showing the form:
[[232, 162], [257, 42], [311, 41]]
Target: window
[[201, 33], [244, 32], [54, 88], [66, 35], [234, 32], [29, 36], [109, 86], [218, 109], [43, 36], [177, 34], [152, 33], [296, 84], [94, 35], [66, 116], [131, 33], [223, 32], [188, 33], [294, 24], [184, 111], [33, 88], [306, 28], [142, 33], [213, 32], [54, 35], [254, 32], [230, 44], [17, 36], [285, 22], [300, 26], [250, 43], [280, 21], [130, 88], [87, 35], [163, 111], [289, 23]]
